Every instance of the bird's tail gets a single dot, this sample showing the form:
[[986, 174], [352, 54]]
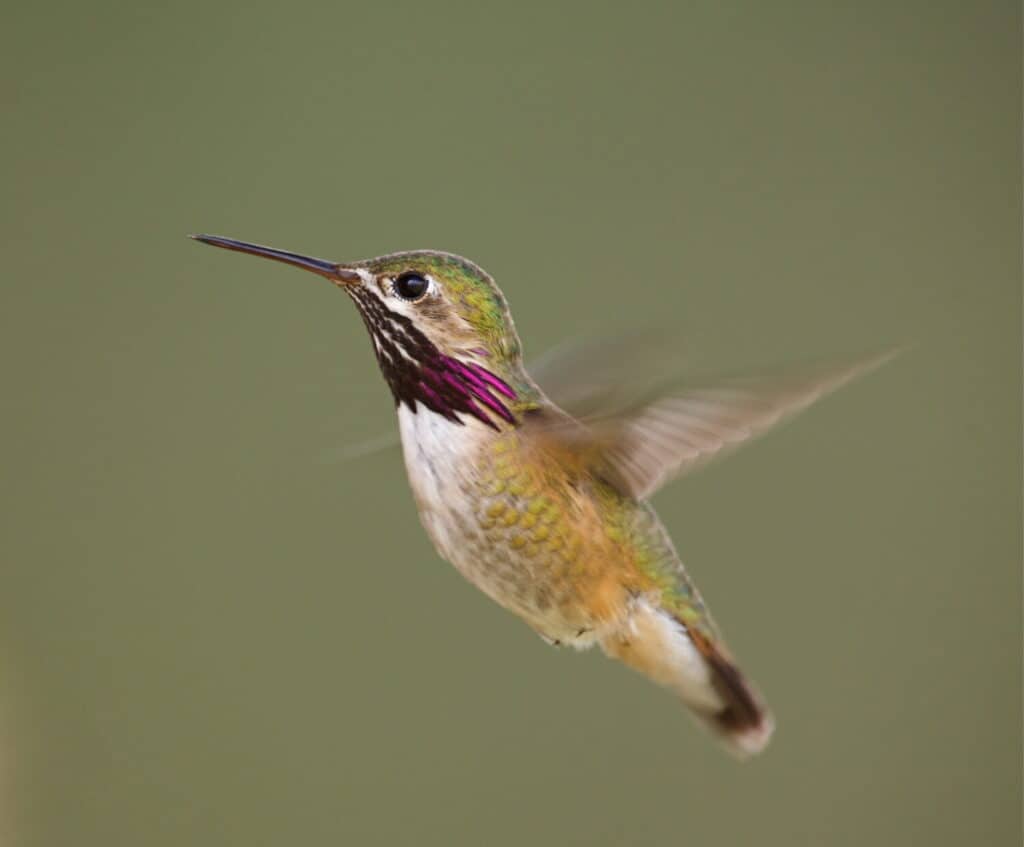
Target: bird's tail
[[700, 671]]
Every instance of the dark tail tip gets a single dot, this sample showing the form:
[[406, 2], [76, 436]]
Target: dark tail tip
[[744, 723]]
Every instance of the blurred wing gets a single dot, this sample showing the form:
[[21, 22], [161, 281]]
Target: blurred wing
[[359, 449], [587, 377], [642, 448]]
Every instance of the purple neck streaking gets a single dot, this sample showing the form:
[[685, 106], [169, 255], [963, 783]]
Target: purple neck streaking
[[448, 386], [418, 373]]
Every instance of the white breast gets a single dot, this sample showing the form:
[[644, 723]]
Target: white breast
[[440, 460], [443, 461]]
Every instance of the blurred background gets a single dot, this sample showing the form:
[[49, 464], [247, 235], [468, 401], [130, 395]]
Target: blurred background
[[214, 633]]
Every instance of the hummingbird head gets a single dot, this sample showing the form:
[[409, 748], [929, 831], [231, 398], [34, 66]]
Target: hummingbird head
[[441, 329]]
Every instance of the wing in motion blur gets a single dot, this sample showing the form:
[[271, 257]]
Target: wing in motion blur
[[641, 444]]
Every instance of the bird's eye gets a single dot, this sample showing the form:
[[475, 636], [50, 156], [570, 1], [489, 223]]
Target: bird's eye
[[411, 286]]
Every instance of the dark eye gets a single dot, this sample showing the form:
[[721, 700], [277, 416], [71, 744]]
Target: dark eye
[[411, 286]]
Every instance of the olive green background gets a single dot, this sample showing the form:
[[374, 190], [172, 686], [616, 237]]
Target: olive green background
[[215, 633]]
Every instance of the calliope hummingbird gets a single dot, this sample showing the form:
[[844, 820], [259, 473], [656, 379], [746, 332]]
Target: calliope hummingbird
[[546, 511]]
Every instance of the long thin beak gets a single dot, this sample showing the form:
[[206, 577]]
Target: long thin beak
[[337, 274]]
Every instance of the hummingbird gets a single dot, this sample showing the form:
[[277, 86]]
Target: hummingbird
[[545, 511]]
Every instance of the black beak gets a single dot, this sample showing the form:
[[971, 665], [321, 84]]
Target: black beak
[[338, 274]]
